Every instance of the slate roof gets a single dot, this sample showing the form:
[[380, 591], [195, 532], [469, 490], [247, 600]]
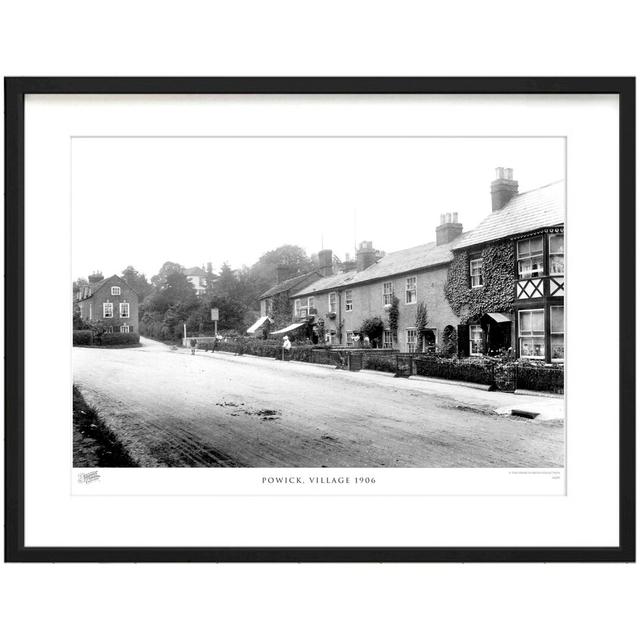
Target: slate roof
[[88, 290], [417, 258], [528, 211], [287, 284], [329, 282]]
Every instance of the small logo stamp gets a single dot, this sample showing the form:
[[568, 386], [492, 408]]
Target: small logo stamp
[[88, 477]]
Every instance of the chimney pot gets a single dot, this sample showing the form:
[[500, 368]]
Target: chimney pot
[[503, 188], [365, 256]]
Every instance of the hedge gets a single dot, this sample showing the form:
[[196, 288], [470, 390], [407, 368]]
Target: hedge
[[108, 339], [82, 337]]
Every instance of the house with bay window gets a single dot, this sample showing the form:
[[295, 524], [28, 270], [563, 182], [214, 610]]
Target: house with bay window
[[516, 274], [110, 303], [497, 289]]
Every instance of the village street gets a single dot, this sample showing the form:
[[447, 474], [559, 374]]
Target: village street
[[170, 408]]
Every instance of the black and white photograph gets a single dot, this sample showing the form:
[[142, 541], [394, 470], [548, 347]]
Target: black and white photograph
[[318, 302]]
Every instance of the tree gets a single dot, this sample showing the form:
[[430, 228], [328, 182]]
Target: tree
[[262, 274], [373, 328], [137, 281]]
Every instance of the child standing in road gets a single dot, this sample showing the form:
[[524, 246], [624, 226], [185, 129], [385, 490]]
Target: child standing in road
[[194, 344], [286, 347]]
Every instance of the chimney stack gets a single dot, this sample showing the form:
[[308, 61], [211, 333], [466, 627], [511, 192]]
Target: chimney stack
[[325, 262], [365, 256], [282, 273], [448, 229], [503, 188]]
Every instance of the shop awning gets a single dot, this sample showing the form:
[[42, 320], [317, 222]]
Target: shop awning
[[498, 317], [257, 324], [291, 327]]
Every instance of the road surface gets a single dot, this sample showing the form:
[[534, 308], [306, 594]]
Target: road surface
[[172, 409]]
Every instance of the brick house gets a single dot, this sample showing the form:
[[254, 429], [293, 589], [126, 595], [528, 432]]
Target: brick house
[[496, 287], [111, 302], [528, 314], [345, 300]]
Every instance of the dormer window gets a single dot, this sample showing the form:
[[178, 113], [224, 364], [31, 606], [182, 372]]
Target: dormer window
[[115, 291]]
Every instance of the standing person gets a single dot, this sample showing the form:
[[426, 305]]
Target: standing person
[[194, 343], [286, 347]]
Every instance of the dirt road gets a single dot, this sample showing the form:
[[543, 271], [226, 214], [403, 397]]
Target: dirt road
[[170, 408]]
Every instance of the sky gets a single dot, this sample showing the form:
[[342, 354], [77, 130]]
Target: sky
[[145, 201]]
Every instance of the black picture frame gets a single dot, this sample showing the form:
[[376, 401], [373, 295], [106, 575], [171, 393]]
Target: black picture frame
[[15, 91]]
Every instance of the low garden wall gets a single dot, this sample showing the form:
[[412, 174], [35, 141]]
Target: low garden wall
[[497, 374]]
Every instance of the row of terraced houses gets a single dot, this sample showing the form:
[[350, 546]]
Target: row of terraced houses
[[497, 288]]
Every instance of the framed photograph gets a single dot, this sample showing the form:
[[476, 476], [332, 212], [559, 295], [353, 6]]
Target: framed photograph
[[320, 319]]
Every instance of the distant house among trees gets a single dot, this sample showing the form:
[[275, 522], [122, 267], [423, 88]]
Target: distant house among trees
[[198, 278], [109, 303]]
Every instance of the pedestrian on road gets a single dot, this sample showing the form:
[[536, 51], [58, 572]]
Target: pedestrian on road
[[194, 344], [286, 347]]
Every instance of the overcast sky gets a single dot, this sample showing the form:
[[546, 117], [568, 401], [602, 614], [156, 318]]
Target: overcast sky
[[143, 201]]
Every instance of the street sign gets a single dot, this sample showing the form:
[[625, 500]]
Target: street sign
[[215, 315]]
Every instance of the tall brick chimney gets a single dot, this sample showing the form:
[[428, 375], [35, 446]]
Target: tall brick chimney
[[365, 256], [448, 229], [282, 273], [503, 188], [325, 262]]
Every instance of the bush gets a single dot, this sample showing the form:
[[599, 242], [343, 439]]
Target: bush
[[379, 362], [109, 339], [83, 337], [478, 370]]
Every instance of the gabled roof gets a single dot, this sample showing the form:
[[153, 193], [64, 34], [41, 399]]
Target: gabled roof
[[417, 258], [92, 288], [535, 209], [289, 284], [194, 271]]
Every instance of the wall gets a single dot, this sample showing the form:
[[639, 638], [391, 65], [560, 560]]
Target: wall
[[368, 302], [104, 295]]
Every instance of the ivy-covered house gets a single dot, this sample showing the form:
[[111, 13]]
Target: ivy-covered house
[[506, 280], [401, 293], [276, 304]]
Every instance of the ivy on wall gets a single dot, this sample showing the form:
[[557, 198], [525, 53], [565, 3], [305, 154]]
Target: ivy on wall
[[394, 315], [281, 310], [497, 293], [421, 323]]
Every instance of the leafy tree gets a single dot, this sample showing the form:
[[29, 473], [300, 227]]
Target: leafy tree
[[373, 328], [137, 281]]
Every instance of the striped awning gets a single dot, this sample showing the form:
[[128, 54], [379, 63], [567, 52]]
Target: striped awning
[[257, 324], [291, 327], [499, 317]]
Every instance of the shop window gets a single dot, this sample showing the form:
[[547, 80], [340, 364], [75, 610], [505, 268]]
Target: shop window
[[531, 333], [557, 334]]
